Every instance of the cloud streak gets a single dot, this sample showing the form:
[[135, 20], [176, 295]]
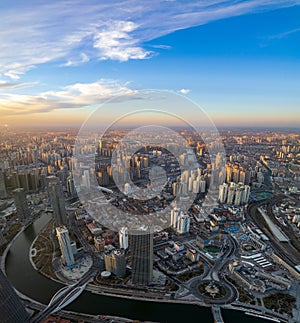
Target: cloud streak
[[76, 95], [284, 34], [11, 86], [74, 32]]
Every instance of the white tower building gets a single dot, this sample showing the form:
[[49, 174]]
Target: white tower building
[[63, 237], [123, 238], [230, 194], [202, 186], [183, 225], [238, 195], [196, 186], [223, 192], [246, 194], [175, 213]]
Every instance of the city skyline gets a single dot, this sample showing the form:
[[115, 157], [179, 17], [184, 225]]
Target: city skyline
[[149, 161], [236, 60]]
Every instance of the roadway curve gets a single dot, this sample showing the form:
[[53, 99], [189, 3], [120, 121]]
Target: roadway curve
[[284, 251], [216, 273]]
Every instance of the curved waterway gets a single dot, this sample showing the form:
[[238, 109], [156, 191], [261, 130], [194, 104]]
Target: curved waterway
[[29, 282]]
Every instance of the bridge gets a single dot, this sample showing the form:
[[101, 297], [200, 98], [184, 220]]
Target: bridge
[[64, 297], [216, 311]]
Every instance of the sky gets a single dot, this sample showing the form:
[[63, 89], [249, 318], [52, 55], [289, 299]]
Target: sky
[[238, 60]]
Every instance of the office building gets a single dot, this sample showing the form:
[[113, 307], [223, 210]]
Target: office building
[[202, 186], [123, 238], [71, 186], [115, 262], [175, 212], [230, 194], [57, 201], [11, 308], [141, 248], [66, 249], [235, 174], [223, 193], [22, 208], [246, 194], [228, 173], [196, 186], [238, 195], [99, 243], [183, 225], [3, 193], [2, 238]]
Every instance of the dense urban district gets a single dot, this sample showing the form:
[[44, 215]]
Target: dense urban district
[[236, 246]]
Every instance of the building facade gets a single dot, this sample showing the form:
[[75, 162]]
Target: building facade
[[11, 308], [57, 201], [115, 262], [123, 238], [66, 249], [141, 248], [20, 201]]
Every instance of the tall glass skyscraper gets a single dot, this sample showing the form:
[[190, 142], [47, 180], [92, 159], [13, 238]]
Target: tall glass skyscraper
[[21, 203], [11, 307], [57, 201], [141, 248], [3, 193], [65, 245]]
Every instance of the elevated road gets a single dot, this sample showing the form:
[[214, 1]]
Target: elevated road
[[64, 297], [216, 311]]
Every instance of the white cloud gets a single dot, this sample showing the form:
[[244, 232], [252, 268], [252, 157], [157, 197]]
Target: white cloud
[[114, 42], [11, 86], [184, 91], [62, 30], [82, 59], [77, 95], [161, 46]]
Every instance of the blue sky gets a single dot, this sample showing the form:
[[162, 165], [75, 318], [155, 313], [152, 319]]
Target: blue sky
[[239, 60]]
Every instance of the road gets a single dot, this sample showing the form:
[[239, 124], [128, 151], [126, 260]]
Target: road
[[48, 310], [217, 273], [282, 250]]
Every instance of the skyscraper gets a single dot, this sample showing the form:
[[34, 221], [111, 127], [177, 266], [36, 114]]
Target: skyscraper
[[2, 238], [175, 213], [3, 193], [246, 194], [11, 307], [123, 238], [230, 194], [141, 248], [63, 237], [57, 201], [115, 262], [71, 186], [183, 225], [238, 195], [223, 192], [19, 196]]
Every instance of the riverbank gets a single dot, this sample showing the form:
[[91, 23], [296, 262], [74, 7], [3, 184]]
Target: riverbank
[[41, 289]]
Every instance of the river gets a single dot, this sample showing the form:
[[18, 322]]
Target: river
[[29, 282]]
